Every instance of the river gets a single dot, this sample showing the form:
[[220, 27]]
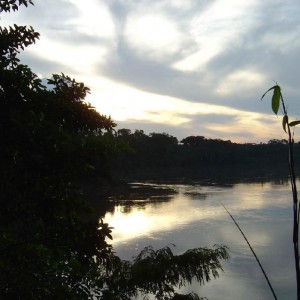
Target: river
[[194, 217]]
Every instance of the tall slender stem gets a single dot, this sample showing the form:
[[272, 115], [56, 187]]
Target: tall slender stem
[[252, 250], [295, 201]]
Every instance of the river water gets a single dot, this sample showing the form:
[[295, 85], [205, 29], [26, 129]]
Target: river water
[[194, 217]]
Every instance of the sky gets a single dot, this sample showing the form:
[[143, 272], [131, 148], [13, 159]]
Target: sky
[[183, 67]]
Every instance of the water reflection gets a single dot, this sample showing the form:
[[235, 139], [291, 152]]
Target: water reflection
[[151, 219], [193, 217]]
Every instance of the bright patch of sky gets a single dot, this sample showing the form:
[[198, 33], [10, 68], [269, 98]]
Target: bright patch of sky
[[94, 19], [152, 35], [192, 67]]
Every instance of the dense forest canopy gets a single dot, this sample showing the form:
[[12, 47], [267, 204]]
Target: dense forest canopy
[[162, 156]]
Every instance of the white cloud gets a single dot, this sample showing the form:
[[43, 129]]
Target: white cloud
[[152, 35], [215, 29], [241, 81], [141, 105], [178, 4], [254, 126], [132, 105], [81, 59], [94, 19]]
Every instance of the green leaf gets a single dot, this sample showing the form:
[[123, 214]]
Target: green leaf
[[276, 99], [294, 123], [285, 121], [272, 88]]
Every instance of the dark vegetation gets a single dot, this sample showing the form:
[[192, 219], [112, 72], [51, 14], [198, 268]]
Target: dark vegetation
[[161, 156], [54, 147]]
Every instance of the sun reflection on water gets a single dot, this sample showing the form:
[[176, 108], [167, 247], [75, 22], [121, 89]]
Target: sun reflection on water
[[128, 225], [149, 220], [191, 204], [194, 218]]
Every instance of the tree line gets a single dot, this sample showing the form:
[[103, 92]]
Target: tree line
[[162, 156]]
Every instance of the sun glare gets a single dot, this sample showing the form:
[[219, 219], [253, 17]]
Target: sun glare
[[93, 19], [128, 225], [152, 35], [152, 108]]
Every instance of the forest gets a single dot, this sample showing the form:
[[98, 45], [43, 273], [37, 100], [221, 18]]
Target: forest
[[161, 156], [53, 243]]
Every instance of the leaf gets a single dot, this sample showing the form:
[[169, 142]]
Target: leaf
[[294, 123], [272, 88], [285, 121], [109, 236], [276, 99]]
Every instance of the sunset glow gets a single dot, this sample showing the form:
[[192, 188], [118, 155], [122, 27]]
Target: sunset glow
[[165, 64]]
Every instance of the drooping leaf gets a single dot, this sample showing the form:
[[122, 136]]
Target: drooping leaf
[[285, 121], [294, 123], [272, 88], [276, 99]]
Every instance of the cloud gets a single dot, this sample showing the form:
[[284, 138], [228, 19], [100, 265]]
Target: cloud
[[171, 63], [94, 19], [240, 81], [152, 35], [214, 30], [45, 67]]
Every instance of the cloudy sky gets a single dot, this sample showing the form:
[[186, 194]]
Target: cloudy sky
[[184, 67]]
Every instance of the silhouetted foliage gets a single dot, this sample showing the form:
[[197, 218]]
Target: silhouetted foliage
[[162, 156], [158, 272], [51, 241], [6, 5]]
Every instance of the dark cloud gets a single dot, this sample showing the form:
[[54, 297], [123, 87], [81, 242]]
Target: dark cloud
[[125, 66], [210, 118]]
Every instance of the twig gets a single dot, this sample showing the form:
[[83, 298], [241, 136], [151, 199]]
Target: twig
[[260, 265]]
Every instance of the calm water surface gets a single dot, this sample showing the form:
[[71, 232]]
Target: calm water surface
[[195, 218]]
